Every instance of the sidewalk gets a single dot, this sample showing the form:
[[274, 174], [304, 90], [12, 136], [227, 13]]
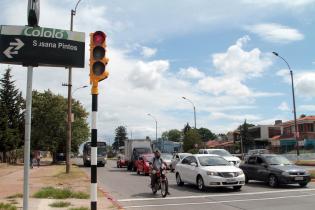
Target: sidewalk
[[11, 182]]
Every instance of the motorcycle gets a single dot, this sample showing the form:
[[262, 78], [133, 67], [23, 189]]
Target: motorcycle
[[161, 182]]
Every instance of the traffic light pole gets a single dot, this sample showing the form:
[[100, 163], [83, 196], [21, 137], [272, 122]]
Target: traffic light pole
[[94, 152]]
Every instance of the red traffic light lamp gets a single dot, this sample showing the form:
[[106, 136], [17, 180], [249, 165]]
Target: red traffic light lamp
[[98, 61]]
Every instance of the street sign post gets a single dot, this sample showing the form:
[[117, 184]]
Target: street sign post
[[38, 46], [33, 12]]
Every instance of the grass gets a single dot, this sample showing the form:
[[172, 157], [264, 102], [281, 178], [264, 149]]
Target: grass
[[79, 208], [56, 193], [18, 195], [60, 204], [4, 206]]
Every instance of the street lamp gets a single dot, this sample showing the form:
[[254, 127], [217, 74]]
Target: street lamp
[[155, 126], [68, 145], [84, 86], [193, 107], [293, 98]]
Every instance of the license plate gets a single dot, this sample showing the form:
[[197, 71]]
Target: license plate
[[299, 178], [230, 180]]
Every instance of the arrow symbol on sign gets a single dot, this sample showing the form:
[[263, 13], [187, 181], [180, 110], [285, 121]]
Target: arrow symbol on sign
[[13, 48], [19, 44]]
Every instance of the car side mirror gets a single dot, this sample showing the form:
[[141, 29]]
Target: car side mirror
[[193, 164]]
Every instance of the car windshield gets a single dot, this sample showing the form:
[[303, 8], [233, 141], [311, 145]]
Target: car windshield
[[166, 157], [277, 160], [219, 152], [182, 156], [212, 161], [148, 158]]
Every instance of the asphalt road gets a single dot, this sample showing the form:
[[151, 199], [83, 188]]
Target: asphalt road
[[132, 192]]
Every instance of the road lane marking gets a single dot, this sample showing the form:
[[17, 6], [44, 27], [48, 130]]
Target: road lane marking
[[216, 195], [217, 202]]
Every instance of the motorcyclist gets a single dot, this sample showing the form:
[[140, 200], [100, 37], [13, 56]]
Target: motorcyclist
[[157, 164]]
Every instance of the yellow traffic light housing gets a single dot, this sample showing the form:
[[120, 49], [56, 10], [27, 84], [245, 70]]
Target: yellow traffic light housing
[[98, 61]]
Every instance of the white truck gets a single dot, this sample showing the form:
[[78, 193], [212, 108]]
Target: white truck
[[134, 148]]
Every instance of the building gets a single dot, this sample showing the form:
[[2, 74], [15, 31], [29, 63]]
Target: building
[[286, 141], [261, 136]]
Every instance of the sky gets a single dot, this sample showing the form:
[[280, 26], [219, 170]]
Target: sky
[[215, 53]]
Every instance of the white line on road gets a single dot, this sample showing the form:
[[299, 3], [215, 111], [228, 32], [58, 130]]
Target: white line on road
[[216, 195], [216, 202]]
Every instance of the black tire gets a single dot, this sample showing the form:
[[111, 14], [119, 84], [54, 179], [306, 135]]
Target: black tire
[[129, 167], [154, 190], [179, 181], [164, 188], [246, 179], [303, 184], [237, 188], [200, 183], [273, 181], [138, 172]]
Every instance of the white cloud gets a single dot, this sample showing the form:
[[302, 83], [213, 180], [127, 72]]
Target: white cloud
[[280, 3], [307, 107], [284, 106], [304, 82], [148, 52], [241, 64], [221, 115], [148, 75], [275, 32], [191, 73], [222, 85]]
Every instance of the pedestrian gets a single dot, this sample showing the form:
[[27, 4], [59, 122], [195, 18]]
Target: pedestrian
[[37, 157], [31, 159]]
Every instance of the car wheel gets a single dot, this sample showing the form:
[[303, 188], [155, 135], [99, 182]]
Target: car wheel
[[273, 181], [236, 188], [303, 184], [179, 180], [200, 183], [246, 179]]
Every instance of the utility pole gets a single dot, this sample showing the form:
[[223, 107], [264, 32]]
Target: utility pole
[[193, 108], [69, 121]]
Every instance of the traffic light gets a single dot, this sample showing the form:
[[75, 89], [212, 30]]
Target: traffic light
[[98, 61]]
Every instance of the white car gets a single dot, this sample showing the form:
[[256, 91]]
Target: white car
[[223, 153], [208, 171], [177, 157], [167, 158]]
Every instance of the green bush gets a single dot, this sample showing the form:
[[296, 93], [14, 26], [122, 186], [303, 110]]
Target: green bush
[[60, 204], [50, 192], [80, 208], [4, 206]]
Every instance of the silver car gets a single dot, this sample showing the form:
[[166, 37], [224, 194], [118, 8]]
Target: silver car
[[177, 157]]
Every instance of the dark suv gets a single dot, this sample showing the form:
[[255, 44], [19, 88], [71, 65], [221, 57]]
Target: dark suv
[[275, 170]]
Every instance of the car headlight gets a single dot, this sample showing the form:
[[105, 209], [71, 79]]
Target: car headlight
[[212, 173], [239, 173], [285, 173]]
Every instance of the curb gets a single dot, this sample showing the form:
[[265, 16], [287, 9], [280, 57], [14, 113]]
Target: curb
[[107, 195], [111, 199]]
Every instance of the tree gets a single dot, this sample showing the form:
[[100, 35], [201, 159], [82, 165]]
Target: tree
[[11, 115], [191, 139], [121, 136], [186, 128], [49, 116], [172, 135], [206, 134], [245, 135]]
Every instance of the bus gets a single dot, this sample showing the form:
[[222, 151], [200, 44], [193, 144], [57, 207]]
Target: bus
[[101, 154]]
